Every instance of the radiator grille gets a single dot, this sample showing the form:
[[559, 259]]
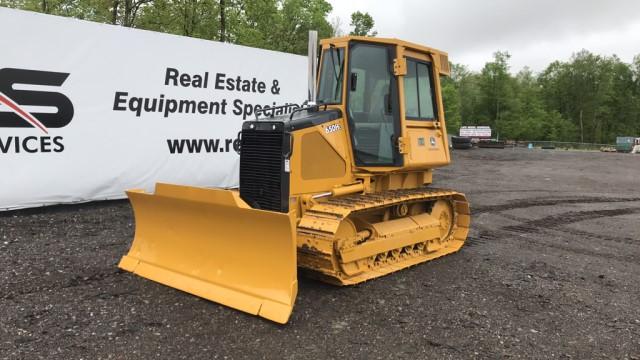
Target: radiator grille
[[263, 182]]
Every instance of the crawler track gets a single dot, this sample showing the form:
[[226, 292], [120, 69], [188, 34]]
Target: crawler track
[[333, 243]]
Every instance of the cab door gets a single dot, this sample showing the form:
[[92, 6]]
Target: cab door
[[373, 105], [424, 136]]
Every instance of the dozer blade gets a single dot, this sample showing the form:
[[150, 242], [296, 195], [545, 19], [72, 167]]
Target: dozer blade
[[210, 243]]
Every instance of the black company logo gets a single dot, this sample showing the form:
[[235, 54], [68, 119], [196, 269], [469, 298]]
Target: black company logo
[[14, 100]]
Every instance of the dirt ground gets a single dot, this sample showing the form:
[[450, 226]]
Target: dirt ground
[[551, 270]]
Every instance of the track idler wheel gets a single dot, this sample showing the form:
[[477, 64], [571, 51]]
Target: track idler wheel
[[347, 236], [442, 211]]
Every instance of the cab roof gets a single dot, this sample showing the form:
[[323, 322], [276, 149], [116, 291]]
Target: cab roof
[[441, 58]]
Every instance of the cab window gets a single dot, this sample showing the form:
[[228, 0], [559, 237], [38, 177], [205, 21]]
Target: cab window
[[330, 91], [418, 91]]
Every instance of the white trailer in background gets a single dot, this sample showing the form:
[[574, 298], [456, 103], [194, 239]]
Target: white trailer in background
[[636, 147], [475, 132]]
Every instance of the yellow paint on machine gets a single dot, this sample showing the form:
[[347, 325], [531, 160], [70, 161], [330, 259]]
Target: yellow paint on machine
[[347, 187], [210, 243]]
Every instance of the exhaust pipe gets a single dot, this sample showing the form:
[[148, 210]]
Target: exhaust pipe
[[313, 66]]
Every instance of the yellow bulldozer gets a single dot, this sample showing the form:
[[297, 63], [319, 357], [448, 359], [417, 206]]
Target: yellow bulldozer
[[339, 188]]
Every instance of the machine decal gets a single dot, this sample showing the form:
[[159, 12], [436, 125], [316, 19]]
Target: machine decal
[[332, 128]]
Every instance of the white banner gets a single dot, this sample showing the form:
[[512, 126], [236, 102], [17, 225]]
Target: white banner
[[475, 131], [89, 110]]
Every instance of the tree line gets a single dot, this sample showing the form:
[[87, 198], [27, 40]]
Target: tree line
[[589, 98], [280, 25]]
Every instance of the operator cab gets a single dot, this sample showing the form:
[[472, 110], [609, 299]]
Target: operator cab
[[387, 90]]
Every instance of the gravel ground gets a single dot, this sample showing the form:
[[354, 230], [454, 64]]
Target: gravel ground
[[551, 270]]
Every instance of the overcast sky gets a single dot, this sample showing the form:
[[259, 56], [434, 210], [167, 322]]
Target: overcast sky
[[534, 32]]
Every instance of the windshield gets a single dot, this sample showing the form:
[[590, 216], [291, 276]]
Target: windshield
[[331, 75]]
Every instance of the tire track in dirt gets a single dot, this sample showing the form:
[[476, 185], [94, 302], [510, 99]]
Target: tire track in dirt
[[573, 231], [482, 238], [555, 221], [526, 203], [629, 258], [477, 192]]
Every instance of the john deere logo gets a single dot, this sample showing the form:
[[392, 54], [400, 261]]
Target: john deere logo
[[21, 107]]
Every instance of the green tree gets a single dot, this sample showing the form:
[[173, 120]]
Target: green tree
[[451, 101], [591, 98], [194, 18], [282, 25], [533, 120], [297, 18], [362, 24], [93, 10], [597, 94], [495, 84], [635, 69]]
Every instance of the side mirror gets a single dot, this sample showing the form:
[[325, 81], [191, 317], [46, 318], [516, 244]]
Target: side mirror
[[354, 81]]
